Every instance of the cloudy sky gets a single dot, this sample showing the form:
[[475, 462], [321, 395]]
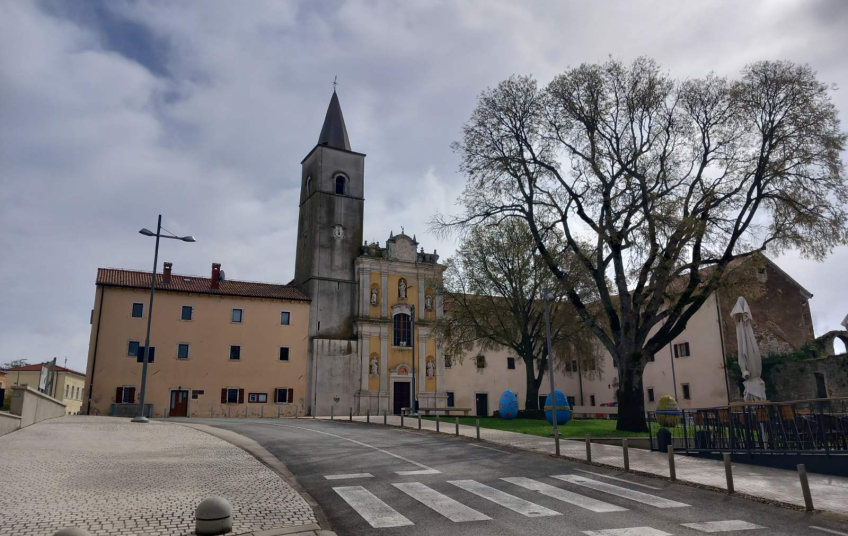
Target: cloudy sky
[[113, 112]]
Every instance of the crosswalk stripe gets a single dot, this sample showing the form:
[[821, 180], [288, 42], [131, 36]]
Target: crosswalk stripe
[[619, 479], [377, 513], [516, 504], [722, 526], [631, 531], [564, 495], [351, 475], [419, 472], [618, 491], [444, 505]]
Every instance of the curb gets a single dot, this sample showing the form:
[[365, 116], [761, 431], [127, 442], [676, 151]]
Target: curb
[[275, 464]]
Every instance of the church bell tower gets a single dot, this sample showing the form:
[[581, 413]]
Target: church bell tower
[[329, 231]]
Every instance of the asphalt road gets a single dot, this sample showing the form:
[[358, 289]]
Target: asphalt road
[[386, 481]]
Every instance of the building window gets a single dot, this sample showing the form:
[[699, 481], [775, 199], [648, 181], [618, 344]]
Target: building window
[[308, 186], [686, 394], [681, 349], [237, 315], [125, 395], [480, 361], [132, 349], [284, 353], [821, 385], [138, 310], [591, 400], [257, 398], [574, 367], [650, 394], [232, 395], [196, 393], [182, 351], [283, 395], [285, 318], [235, 353], [510, 363], [66, 391], [571, 402], [403, 330], [186, 312], [448, 362], [450, 399], [341, 185]]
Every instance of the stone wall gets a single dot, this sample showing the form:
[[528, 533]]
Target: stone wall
[[797, 380], [32, 406], [336, 373]]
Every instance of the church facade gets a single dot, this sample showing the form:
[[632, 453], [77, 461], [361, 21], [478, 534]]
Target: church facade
[[372, 307]]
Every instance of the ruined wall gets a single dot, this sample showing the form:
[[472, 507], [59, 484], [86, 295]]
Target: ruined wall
[[797, 380]]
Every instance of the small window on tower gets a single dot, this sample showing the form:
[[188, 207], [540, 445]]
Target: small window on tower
[[341, 185], [308, 186]]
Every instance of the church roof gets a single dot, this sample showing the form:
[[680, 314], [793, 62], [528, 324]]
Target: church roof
[[334, 132]]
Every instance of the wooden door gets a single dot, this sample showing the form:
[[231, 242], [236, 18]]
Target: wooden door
[[401, 398], [179, 404], [482, 405]]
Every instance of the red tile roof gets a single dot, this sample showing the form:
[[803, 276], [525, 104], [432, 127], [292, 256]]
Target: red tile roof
[[115, 277], [37, 367]]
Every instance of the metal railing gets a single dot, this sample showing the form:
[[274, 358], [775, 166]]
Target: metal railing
[[817, 426]]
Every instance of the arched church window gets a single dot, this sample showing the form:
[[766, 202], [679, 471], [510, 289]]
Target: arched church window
[[341, 185], [308, 186], [403, 330]]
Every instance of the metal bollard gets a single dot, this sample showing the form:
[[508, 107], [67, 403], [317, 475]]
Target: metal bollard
[[351, 414], [805, 487], [588, 448], [437, 422], [385, 419], [672, 474], [332, 409], [279, 410], [229, 412], [419, 420], [401, 419], [477, 423], [556, 444], [457, 426], [368, 416], [261, 412], [728, 472], [296, 408], [626, 452]]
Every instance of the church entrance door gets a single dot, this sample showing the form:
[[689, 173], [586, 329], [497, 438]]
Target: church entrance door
[[401, 396]]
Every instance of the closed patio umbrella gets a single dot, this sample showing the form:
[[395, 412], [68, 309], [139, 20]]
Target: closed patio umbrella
[[750, 360]]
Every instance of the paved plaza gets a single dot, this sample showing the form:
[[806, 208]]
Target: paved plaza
[[112, 477], [830, 493]]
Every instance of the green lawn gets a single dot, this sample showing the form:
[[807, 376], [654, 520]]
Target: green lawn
[[574, 428]]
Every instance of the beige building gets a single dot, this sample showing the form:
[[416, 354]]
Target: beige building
[[690, 369], [220, 347], [68, 385]]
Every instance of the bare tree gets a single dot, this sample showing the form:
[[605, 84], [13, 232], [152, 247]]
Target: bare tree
[[665, 178], [493, 289], [13, 363]]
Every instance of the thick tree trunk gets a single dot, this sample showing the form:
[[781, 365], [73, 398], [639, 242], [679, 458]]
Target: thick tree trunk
[[631, 399], [531, 400]]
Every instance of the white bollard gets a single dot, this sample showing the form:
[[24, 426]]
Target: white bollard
[[213, 516]]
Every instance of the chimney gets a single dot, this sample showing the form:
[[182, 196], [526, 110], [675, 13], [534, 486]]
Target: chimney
[[166, 273], [216, 275]]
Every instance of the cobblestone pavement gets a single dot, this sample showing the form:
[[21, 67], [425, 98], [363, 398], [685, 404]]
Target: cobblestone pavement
[[830, 493], [110, 476]]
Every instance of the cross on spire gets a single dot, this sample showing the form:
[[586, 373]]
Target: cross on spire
[[335, 82]]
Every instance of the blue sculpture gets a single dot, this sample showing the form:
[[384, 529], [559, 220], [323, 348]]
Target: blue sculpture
[[508, 405], [563, 409]]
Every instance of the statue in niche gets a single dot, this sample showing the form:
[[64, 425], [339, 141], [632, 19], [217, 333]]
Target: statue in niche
[[375, 366], [430, 369], [374, 296], [402, 288], [428, 302]]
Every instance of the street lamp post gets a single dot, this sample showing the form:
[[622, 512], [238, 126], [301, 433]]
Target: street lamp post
[[550, 296], [412, 341], [158, 234]]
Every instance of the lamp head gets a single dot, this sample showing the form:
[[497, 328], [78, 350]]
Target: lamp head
[[147, 232], [188, 239]]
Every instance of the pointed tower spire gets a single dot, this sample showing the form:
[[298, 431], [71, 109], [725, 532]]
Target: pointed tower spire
[[334, 132]]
